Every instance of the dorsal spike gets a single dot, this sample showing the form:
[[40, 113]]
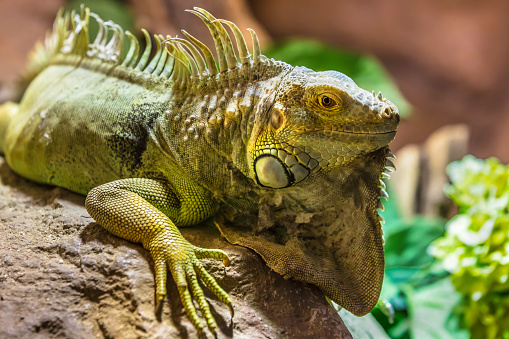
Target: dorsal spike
[[256, 46], [146, 54], [153, 63], [82, 11], [196, 55], [112, 49], [209, 58], [82, 39], [225, 38], [94, 46], [67, 20], [162, 60], [132, 54], [119, 48], [216, 36], [241, 41], [168, 66], [170, 62], [113, 40], [69, 38], [73, 21], [77, 40], [175, 74], [170, 48], [231, 57], [179, 67], [102, 43], [60, 29], [190, 60]]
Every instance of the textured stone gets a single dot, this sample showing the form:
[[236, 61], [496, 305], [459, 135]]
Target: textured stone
[[62, 275]]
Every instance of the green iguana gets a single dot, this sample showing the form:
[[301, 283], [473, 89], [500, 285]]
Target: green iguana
[[288, 160]]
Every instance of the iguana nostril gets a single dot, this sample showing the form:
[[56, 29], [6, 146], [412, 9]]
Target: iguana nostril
[[271, 172]]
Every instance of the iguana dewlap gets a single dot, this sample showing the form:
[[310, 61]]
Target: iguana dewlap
[[289, 160]]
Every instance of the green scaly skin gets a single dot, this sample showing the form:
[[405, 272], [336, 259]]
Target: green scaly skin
[[168, 142]]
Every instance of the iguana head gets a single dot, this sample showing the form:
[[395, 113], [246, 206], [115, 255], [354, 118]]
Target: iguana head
[[316, 159], [318, 120]]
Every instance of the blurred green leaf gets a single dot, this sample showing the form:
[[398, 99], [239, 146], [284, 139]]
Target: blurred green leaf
[[114, 10], [431, 312], [390, 214], [409, 240]]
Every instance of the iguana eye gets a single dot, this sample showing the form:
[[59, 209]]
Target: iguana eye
[[327, 101]]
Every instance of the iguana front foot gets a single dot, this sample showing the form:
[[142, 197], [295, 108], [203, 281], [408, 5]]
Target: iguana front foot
[[181, 258], [127, 208]]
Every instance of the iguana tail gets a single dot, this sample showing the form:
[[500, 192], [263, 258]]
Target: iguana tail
[[7, 112]]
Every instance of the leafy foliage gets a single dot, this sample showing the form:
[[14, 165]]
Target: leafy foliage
[[475, 248]]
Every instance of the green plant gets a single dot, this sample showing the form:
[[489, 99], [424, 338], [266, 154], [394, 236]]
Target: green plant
[[475, 247]]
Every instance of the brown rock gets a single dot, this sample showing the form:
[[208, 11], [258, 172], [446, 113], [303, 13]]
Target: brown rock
[[62, 275]]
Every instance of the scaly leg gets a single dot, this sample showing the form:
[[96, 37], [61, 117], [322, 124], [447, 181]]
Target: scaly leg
[[148, 211]]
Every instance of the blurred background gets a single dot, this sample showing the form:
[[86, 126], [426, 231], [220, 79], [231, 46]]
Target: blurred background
[[445, 65]]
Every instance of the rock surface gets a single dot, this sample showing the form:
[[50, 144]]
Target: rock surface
[[62, 275]]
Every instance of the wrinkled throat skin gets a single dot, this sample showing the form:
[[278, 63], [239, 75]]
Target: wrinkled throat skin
[[326, 231]]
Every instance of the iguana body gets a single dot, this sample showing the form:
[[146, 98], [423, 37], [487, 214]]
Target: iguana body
[[171, 141]]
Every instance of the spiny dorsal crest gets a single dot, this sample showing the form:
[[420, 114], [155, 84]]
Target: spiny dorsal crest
[[176, 59]]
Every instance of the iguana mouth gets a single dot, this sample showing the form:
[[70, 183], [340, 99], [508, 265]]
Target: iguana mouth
[[347, 130]]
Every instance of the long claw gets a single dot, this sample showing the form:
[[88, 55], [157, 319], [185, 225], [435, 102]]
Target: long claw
[[159, 303], [230, 308]]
